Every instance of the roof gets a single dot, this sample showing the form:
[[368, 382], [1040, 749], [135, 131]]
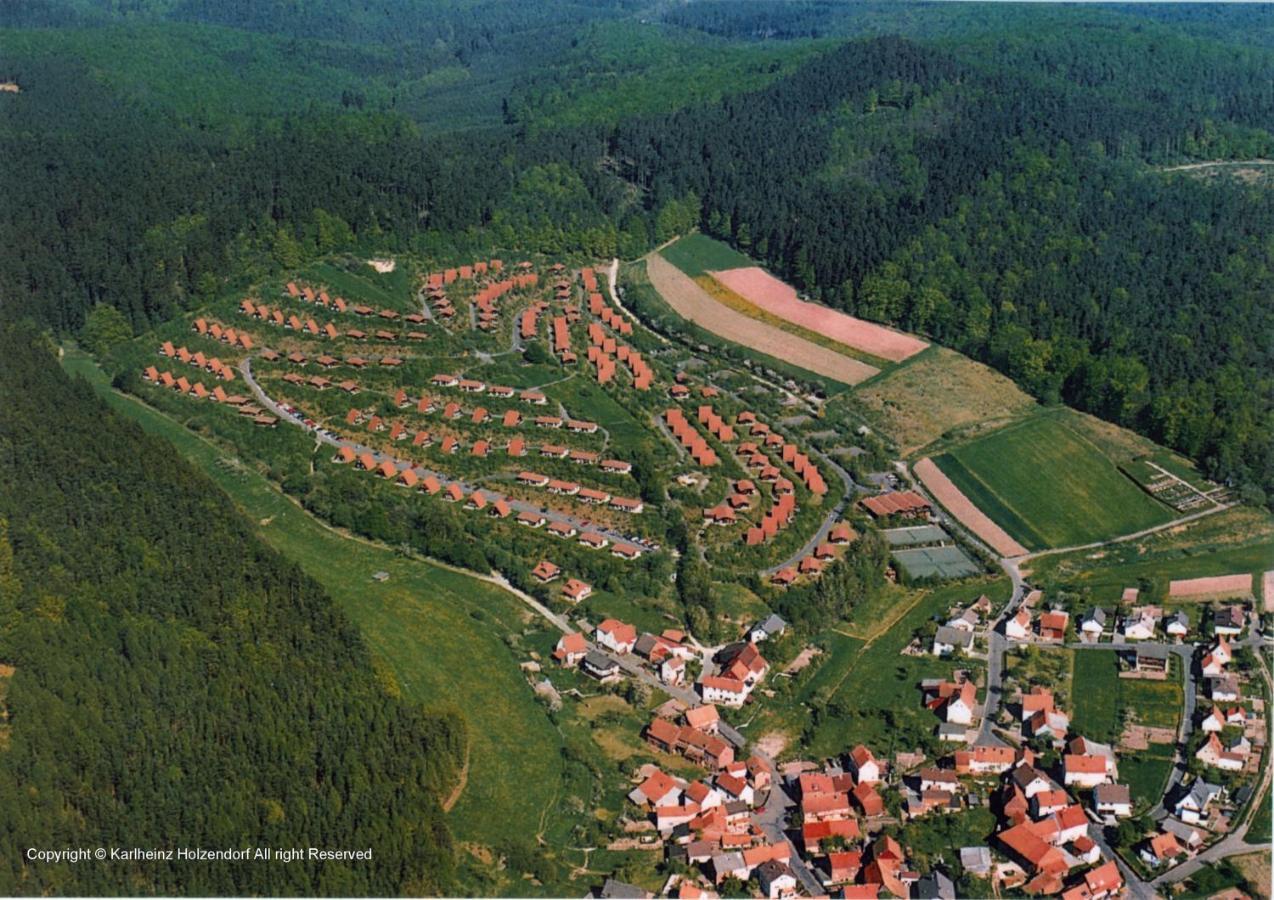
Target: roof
[[623, 891], [570, 644], [1112, 793], [622, 632], [956, 637], [702, 716], [1086, 765], [1165, 845]]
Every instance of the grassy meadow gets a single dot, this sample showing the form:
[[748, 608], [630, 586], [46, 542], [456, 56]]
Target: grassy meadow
[[1048, 486], [437, 633]]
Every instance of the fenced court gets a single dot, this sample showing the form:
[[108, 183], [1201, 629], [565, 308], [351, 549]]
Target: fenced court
[[941, 562], [916, 536]]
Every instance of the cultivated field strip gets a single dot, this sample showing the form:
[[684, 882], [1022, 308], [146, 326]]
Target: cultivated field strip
[[759, 287], [960, 506], [694, 304]]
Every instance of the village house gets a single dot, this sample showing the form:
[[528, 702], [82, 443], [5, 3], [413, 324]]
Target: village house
[[948, 639], [727, 691], [1084, 771], [617, 636], [1140, 623], [1228, 759], [984, 760], [1052, 625], [1112, 800], [1161, 849], [864, 766], [1192, 806], [545, 571], [600, 666], [771, 626], [1229, 620], [571, 648], [1018, 626]]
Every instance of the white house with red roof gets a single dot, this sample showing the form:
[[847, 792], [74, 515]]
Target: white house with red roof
[[616, 635]]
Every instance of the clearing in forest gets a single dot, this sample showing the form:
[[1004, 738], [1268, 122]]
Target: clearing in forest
[[1049, 486], [939, 393], [693, 303]]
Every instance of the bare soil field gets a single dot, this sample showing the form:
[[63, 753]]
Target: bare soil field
[[1267, 590], [774, 296], [1209, 588], [692, 302], [960, 506], [941, 392]]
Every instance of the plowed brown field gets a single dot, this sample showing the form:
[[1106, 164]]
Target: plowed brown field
[[694, 303], [778, 298], [960, 506]]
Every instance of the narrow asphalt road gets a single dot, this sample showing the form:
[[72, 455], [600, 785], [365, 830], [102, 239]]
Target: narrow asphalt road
[[519, 505], [833, 516]]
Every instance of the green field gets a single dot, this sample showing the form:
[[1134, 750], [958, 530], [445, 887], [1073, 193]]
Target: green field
[[1146, 773], [1259, 831], [436, 631], [698, 254], [1228, 542], [876, 699], [1048, 486], [586, 400], [1101, 696]]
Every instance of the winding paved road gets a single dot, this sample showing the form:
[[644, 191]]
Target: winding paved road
[[833, 515], [579, 524]]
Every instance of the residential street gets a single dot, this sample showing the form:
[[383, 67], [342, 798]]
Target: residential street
[[245, 367]]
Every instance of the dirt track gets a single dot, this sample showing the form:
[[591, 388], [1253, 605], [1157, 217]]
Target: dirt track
[[960, 506], [694, 304]]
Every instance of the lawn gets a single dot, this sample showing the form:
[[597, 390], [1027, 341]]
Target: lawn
[[361, 283], [1259, 831], [831, 666], [586, 400], [436, 631], [1146, 773], [938, 392], [1048, 486], [1229, 542], [876, 700], [699, 254], [1100, 696], [1096, 695]]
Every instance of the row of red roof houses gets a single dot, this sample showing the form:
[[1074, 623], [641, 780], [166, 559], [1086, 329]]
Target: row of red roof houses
[[218, 394], [218, 332], [689, 437], [197, 359], [812, 565], [404, 474], [466, 272], [473, 386], [585, 495]]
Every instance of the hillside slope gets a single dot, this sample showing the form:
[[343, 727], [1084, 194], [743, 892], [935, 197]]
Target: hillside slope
[[170, 681]]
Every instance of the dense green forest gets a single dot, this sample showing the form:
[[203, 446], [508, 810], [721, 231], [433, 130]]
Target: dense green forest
[[169, 681], [989, 175]]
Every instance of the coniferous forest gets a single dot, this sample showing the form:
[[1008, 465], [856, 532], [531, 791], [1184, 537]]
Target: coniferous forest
[[172, 682]]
